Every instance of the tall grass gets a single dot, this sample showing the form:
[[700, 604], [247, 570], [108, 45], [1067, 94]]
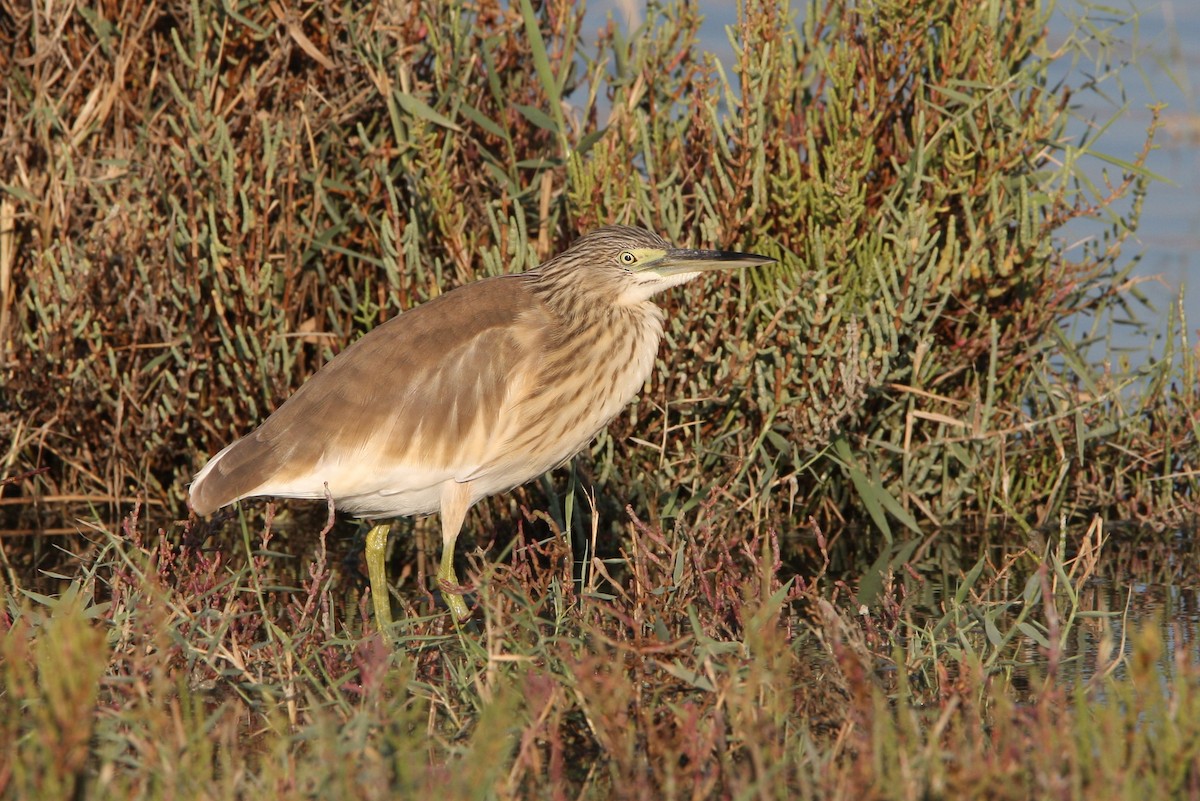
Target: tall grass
[[205, 205], [165, 671]]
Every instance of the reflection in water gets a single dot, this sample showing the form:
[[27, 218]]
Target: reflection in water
[[1141, 585]]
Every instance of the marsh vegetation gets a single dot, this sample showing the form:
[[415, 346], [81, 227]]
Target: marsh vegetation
[[856, 539]]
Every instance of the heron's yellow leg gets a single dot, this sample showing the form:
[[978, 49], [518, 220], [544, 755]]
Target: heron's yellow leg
[[456, 499], [376, 551], [458, 606]]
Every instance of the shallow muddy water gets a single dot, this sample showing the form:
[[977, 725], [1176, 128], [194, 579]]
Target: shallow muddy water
[[1142, 584]]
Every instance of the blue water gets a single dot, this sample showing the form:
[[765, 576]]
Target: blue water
[[1161, 54]]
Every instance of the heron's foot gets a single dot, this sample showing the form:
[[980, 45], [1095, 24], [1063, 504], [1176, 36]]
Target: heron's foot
[[458, 605], [452, 591]]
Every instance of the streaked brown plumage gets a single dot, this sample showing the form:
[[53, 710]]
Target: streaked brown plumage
[[467, 395]]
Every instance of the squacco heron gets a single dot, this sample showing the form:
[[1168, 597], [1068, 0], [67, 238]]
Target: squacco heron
[[468, 395]]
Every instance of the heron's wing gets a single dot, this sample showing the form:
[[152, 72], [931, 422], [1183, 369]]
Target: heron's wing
[[413, 403]]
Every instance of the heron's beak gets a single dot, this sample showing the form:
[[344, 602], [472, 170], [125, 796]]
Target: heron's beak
[[681, 260]]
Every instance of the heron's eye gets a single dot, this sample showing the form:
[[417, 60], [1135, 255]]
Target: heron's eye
[[627, 258]]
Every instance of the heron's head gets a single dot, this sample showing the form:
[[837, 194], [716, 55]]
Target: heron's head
[[632, 264]]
